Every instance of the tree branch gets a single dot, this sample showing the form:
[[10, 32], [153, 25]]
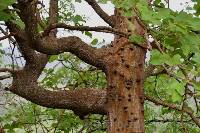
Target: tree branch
[[108, 19], [6, 36], [53, 15], [104, 29], [74, 45], [5, 77], [82, 101], [174, 106], [165, 121], [148, 71], [7, 70], [22, 41], [28, 14]]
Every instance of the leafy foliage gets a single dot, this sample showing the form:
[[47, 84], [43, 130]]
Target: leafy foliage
[[175, 79]]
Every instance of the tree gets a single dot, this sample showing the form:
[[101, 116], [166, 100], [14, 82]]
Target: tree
[[170, 78]]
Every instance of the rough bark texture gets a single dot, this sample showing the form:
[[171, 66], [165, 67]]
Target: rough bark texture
[[125, 85], [122, 61]]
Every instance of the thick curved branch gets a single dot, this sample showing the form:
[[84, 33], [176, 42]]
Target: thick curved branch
[[173, 106], [108, 19], [82, 101], [74, 45], [104, 29]]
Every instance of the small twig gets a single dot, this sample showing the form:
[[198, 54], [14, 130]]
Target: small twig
[[175, 107], [7, 70], [6, 36], [5, 77], [183, 106], [84, 28], [165, 121]]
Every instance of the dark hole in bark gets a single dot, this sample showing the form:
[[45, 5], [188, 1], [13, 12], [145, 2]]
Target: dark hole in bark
[[127, 66], [122, 60], [131, 49], [129, 121], [138, 80], [140, 64], [125, 108], [128, 87], [135, 119], [115, 72]]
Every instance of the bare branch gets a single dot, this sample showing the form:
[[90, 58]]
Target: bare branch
[[174, 106], [84, 28], [7, 70], [108, 19], [6, 36], [5, 33], [149, 71], [5, 77]]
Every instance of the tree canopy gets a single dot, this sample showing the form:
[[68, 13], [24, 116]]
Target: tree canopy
[[59, 83]]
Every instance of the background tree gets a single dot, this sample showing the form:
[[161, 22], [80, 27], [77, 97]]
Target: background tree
[[113, 81]]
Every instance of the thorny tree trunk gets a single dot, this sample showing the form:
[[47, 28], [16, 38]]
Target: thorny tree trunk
[[125, 85]]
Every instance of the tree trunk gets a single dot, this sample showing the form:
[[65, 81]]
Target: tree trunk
[[125, 84]]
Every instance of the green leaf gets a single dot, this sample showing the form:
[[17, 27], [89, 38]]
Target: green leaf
[[94, 42], [78, 19], [53, 58], [4, 16], [156, 58], [175, 60], [176, 89], [5, 3], [136, 39], [87, 33], [196, 58]]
